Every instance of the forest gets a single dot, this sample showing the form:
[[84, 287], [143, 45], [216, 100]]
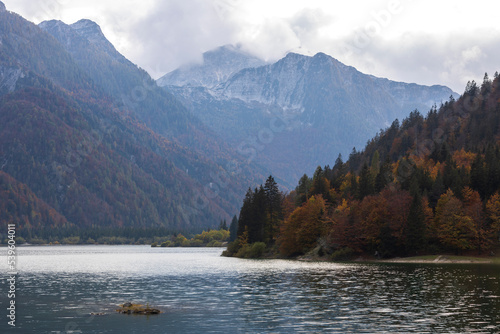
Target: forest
[[429, 184]]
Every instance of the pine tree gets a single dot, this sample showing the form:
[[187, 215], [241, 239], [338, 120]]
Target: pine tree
[[486, 86], [478, 176], [253, 215], [320, 185], [384, 176], [339, 171], [302, 190], [492, 171], [273, 208], [245, 212], [354, 189], [233, 229], [415, 225], [375, 163], [451, 176], [256, 229], [437, 190], [432, 119], [223, 225], [366, 182], [471, 88]]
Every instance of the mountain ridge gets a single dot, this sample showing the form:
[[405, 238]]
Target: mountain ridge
[[73, 131], [93, 33], [331, 106]]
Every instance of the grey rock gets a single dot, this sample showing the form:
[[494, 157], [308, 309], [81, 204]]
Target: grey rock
[[8, 78]]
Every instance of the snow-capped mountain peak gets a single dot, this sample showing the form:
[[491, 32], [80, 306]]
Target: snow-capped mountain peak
[[217, 66], [325, 106]]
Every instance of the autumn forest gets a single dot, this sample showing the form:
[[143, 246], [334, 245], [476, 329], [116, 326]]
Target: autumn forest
[[425, 185]]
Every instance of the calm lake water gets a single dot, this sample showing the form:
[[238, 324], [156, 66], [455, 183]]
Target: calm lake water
[[201, 292]]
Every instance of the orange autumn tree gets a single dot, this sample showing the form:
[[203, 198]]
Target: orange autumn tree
[[373, 216], [300, 232]]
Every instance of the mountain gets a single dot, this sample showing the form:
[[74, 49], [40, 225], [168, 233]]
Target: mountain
[[91, 31], [135, 92], [216, 67], [93, 142], [131, 87], [303, 111], [427, 185]]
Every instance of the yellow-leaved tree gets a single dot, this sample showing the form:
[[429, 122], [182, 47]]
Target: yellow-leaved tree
[[455, 230]]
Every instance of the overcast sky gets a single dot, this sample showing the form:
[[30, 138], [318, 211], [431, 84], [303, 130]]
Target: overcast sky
[[423, 41]]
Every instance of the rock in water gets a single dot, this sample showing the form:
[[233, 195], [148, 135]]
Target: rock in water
[[129, 308]]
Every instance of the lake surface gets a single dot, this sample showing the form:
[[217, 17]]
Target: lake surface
[[201, 292]]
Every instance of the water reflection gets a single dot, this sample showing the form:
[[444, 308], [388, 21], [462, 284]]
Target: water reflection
[[202, 292]]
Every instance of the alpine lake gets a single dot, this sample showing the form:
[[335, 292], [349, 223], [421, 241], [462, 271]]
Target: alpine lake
[[77, 289]]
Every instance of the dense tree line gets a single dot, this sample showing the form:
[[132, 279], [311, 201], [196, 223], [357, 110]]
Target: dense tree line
[[425, 185], [259, 219], [70, 234]]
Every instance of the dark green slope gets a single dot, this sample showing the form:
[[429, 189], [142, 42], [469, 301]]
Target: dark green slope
[[96, 171]]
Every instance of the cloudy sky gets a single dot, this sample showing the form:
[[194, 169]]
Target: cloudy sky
[[425, 41]]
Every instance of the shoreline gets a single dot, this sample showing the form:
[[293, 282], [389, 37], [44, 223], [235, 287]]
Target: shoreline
[[425, 259], [442, 259]]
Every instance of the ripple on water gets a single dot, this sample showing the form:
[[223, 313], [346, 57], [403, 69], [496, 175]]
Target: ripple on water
[[202, 292]]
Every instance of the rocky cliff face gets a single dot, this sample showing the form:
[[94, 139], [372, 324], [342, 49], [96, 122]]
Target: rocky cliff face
[[8, 78], [294, 81]]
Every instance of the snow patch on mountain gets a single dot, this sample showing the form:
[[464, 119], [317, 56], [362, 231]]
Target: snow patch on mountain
[[217, 66]]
